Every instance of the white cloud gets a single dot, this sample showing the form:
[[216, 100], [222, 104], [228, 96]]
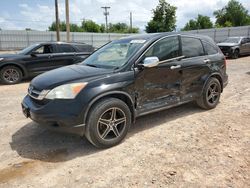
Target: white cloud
[[42, 15]]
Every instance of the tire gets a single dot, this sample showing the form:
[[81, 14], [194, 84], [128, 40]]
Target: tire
[[210, 95], [236, 54], [10, 75], [108, 123]]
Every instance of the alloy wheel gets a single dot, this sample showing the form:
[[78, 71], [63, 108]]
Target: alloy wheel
[[213, 93], [111, 124], [11, 75]]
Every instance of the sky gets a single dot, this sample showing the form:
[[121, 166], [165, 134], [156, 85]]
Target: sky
[[39, 14]]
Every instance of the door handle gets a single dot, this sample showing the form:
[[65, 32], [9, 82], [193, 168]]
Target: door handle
[[175, 67], [206, 60]]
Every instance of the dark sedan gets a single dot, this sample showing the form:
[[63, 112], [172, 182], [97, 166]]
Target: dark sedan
[[39, 58], [235, 46]]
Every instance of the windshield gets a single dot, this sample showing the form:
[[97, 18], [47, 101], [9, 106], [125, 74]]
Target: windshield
[[28, 49], [232, 40], [114, 54]]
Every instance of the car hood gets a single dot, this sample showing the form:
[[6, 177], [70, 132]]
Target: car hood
[[9, 55], [227, 44], [64, 75]]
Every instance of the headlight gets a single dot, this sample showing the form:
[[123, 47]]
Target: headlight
[[67, 91], [1, 59]]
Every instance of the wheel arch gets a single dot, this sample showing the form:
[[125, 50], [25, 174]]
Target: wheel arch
[[214, 75], [24, 72], [123, 96]]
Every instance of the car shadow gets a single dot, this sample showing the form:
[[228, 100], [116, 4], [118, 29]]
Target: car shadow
[[26, 80], [33, 142]]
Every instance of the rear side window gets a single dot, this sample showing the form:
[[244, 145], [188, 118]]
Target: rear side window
[[65, 48], [210, 49], [191, 47], [84, 48], [164, 49], [245, 40]]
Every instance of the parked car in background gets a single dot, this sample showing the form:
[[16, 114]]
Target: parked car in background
[[39, 58], [125, 79], [235, 46]]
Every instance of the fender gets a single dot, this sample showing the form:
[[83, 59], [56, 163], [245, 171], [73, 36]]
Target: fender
[[23, 69], [85, 114], [216, 75]]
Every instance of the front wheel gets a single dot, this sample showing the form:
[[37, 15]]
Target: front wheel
[[236, 54], [210, 95], [108, 123], [10, 75]]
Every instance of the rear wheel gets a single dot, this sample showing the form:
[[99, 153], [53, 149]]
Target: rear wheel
[[211, 94], [108, 123], [11, 75]]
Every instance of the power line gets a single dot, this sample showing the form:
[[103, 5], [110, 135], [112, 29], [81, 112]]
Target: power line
[[106, 13], [67, 19], [57, 21], [131, 22]]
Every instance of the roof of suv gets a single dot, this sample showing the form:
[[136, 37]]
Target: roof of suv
[[155, 36], [71, 43]]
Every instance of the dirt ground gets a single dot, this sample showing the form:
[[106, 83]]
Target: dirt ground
[[180, 147]]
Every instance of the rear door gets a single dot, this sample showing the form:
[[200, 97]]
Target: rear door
[[83, 51], [66, 55], [194, 67]]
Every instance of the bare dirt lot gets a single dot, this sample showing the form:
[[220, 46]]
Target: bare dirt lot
[[180, 147]]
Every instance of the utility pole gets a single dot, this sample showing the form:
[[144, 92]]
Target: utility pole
[[131, 22], [106, 13], [57, 22], [67, 19]]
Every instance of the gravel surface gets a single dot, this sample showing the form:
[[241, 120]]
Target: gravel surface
[[180, 147]]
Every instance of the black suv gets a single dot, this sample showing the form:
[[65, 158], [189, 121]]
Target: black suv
[[39, 58], [125, 79], [235, 46]]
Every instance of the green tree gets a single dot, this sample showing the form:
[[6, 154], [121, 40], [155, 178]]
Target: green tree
[[164, 18], [233, 14], [90, 26], [62, 26], [201, 22], [121, 28]]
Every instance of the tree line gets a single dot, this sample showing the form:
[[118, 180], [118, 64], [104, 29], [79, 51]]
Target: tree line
[[91, 26], [164, 20]]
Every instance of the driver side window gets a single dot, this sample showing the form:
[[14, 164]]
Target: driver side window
[[44, 49], [164, 49]]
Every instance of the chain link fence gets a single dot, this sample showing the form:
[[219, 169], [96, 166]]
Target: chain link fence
[[220, 34], [16, 40]]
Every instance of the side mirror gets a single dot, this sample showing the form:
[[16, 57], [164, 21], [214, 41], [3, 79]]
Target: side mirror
[[243, 42], [151, 62]]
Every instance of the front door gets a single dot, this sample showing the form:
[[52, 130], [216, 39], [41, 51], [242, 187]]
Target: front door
[[40, 59], [160, 86], [245, 46]]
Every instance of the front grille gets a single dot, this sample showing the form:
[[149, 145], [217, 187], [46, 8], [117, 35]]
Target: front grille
[[225, 49], [33, 92], [37, 96]]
